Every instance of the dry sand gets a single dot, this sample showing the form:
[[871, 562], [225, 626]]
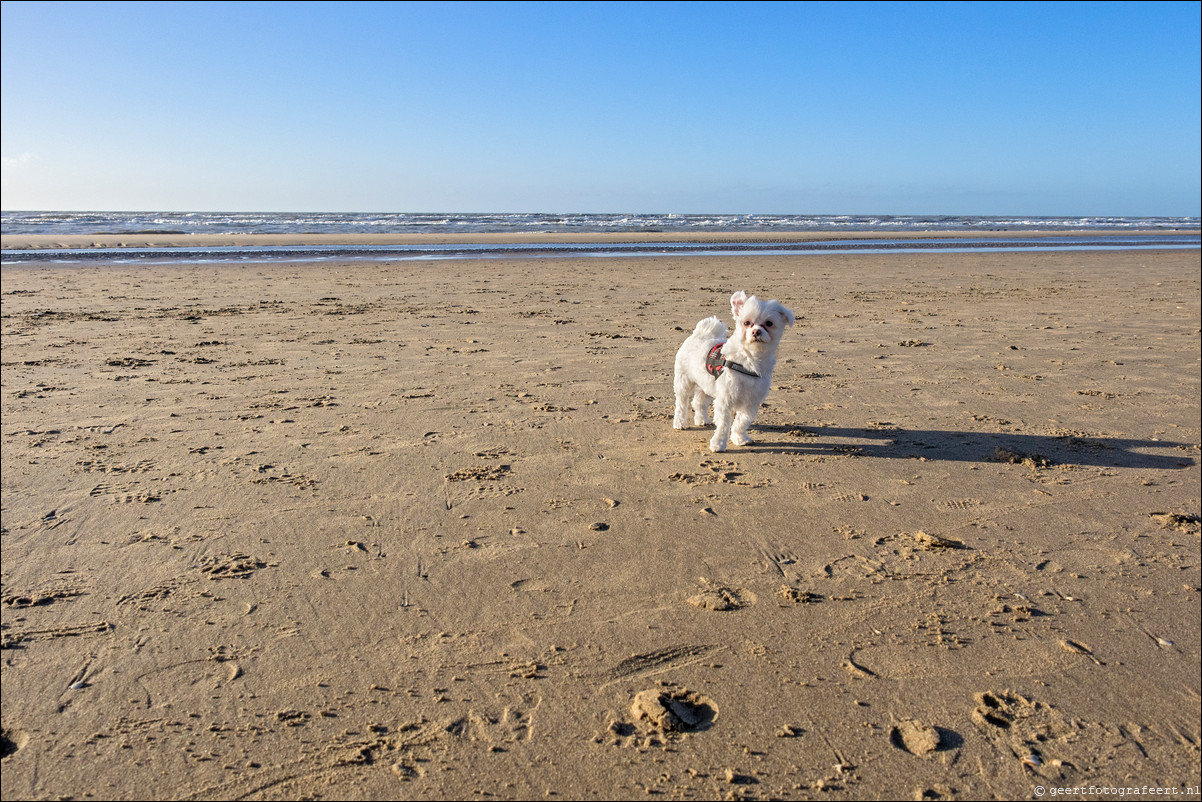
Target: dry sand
[[424, 530]]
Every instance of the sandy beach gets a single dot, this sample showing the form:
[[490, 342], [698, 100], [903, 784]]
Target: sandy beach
[[424, 530]]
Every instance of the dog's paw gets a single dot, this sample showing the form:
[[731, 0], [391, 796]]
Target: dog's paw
[[741, 440], [717, 445]]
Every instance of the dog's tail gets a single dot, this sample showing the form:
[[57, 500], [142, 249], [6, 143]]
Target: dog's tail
[[712, 328]]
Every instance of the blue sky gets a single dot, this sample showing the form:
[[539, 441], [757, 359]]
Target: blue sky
[[804, 108]]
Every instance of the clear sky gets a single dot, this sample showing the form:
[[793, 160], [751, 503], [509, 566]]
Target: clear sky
[[804, 108]]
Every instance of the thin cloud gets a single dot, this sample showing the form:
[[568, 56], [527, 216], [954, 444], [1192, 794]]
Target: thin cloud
[[13, 162]]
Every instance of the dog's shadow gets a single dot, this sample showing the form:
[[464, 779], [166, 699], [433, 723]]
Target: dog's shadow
[[1036, 451]]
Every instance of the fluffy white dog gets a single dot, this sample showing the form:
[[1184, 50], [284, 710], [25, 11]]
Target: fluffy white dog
[[733, 372]]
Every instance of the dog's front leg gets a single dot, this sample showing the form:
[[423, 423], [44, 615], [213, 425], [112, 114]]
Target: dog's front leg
[[742, 423], [722, 423]]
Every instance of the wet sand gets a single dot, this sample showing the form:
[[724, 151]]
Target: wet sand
[[424, 530], [169, 240]]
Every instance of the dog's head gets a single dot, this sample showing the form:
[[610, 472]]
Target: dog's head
[[758, 324]]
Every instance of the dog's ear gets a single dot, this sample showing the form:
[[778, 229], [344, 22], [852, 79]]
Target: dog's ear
[[736, 303], [786, 313]]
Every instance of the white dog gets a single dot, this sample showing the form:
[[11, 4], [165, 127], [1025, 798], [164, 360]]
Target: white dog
[[733, 372]]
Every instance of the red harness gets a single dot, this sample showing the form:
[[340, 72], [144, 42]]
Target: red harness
[[715, 362]]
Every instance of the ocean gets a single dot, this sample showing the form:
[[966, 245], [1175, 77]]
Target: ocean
[[1080, 233], [104, 223]]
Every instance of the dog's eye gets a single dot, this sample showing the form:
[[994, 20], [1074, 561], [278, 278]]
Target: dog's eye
[[767, 324], [746, 322]]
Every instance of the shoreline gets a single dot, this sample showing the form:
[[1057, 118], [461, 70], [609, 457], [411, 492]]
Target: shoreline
[[15, 242]]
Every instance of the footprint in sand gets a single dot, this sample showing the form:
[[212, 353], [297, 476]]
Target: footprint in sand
[[722, 598], [919, 739], [673, 710], [1190, 524], [659, 716], [231, 566], [10, 742], [1033, 737], [961, 504]]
